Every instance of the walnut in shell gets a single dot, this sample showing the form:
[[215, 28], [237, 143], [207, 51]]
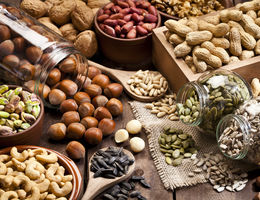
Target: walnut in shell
[[97, 3], [35, 8], [69, 32]]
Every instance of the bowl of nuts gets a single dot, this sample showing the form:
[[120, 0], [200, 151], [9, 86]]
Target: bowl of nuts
[[21, 116], [38, 173], [124, 34]]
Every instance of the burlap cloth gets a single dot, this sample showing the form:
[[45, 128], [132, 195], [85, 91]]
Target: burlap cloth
[[174, 177]]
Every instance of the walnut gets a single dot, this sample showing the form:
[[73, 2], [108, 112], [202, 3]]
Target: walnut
[[69, 32], [97, 3], [35, 8]]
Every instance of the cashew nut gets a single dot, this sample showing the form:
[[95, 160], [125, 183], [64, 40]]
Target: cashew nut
[[63, 191], [9, 170], [6, 180], [9, 163], [4, 158], [35, 152], [3, 169], [43, 186], [51, 158], [8, 195], [50, 174], [41, 179], [34, 170], [61, 171], [19, 165], [21, 194], [50, 197], [16, 173], [22, 179], [62, 198], [43, 195], [19, 156], [35, 194], [1, 192]]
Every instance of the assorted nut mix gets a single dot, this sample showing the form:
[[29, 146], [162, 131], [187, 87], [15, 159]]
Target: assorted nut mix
[[219, 173], [127, 19], [127, 189], [214, 41], [234, 140], [186, 8], [33, 174], [220, 94], [111, 163], [147, 83], [164, 106], [19, 109], [176, 146]]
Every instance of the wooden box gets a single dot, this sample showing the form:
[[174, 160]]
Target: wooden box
[[177, 71]]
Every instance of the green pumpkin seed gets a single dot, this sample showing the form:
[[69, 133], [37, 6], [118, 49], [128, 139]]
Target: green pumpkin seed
[[176, 153], [167, 154], [168, 138], [189, 103], [168, 160], [185, 144], [183, 136], [174, 138], [177, 162], [187, 155]]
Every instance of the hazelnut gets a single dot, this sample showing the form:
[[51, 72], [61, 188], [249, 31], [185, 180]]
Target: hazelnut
[[89, 122], [4, 33], [81, 97], [257, 182], [56, 96], [57, 131], [19, 44], [33, 54], [44, 90], [102, 80], [68, 65], [107, 126], [14, 11], [121, 135], [101, 113], [86, 109], [257, 196], [70, 117], [134, 126], [99, 101], [11, 61], [93, 90], [27, 21], [75, 150], [115, 107], [54, 77], [86, 83], [93, 136], [93, 71], [113, 90], [6, 48], [75, 131], [137, 144], [68, 105], [28, 71], [69, 87]]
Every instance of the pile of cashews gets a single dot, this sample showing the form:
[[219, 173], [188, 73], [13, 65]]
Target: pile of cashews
[[33, 174]]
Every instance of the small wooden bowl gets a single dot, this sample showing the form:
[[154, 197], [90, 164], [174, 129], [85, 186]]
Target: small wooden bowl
[[31, 135], [132, 54], [67, 163]]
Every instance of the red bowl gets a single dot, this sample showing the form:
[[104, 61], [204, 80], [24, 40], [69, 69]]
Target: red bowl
[[132, 54], [32, 135], [67, 163]]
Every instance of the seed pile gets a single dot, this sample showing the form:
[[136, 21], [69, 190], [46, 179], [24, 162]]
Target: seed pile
[[19, 109], [176, 146], [147, 83], [127, 189], [231, 140], [219, 173], [111, 163], [164, 106], [225, 93]]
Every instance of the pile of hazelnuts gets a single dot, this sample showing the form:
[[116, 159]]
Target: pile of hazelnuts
[[89, 114]]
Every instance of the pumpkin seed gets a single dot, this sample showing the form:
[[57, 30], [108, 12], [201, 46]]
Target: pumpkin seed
[[177, 162], [168, 160]]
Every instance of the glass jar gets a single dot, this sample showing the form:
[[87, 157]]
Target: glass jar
[[238, 134], [215, 94], [34, 56]]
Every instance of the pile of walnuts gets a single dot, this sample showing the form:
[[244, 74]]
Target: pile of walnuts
[[72, 19]]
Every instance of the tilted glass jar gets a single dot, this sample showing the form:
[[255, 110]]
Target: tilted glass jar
[[238, 134], [215, 94], [34, 56]]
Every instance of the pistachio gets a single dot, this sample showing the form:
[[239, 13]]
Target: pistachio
[[25, 125], [5, 130], [18, 123], [26, 117], [4, 114]]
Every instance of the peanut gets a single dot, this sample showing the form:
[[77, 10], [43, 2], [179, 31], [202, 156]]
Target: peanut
[[189, 62], [217, 51], [178, 28], [174, 39], [219, 30], [233, 59], [197, 37], [236, 25], [200, 65], [250, 26], [182, 50], [221, 42], [193, 23], [257, 21], [215, 19], [205, 55], [246, 54], [252, 14], [227, 15], [257, 47], [247, 40], [255, 84], [235, 42], [252, 5]]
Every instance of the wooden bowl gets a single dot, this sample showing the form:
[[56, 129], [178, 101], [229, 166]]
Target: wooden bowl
[[67, 163], [131, 54], [31, 135]]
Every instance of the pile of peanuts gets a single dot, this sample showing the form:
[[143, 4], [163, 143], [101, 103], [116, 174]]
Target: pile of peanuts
[[128, 19]]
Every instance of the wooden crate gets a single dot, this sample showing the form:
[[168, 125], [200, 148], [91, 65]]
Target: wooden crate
[[177, 71]]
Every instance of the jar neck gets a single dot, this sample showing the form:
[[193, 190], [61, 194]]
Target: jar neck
[[202, 97], [244, 127]]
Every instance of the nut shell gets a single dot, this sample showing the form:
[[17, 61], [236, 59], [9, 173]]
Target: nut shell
[[57, 131], [54, 77], [93, 90], [68, 105], [107, 126], [86, 109], [113, 90], [56, 96], [101, 113], [75, 150], [81, 97], [93, 71], [93, 136], [89, 122], [70, 117], [102, 80], [99, 101], [69, 87], [115, 107], [75, 131]]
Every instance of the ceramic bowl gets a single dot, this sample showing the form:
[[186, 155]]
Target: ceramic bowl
[[131, 54], [31, 135], [67, 163]]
